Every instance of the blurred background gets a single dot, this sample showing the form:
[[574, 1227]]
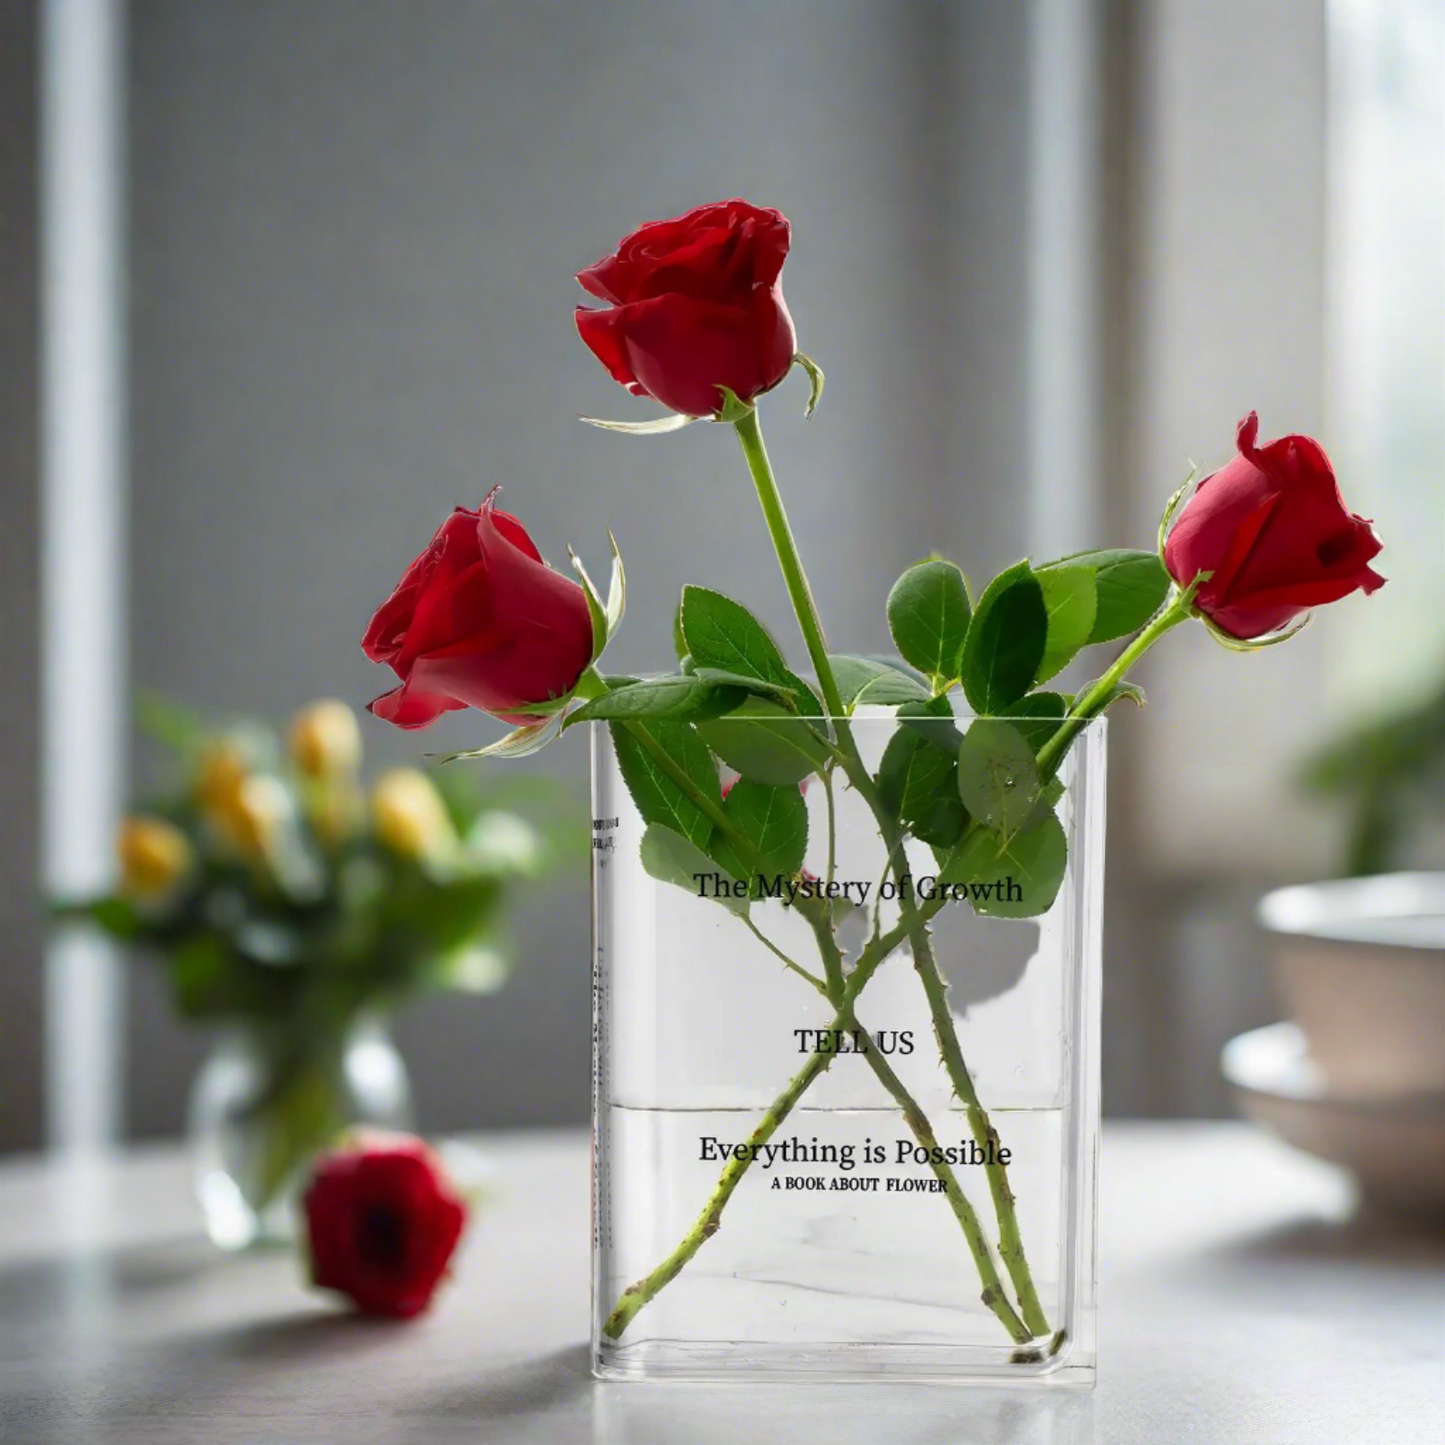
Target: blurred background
[[282, 282]]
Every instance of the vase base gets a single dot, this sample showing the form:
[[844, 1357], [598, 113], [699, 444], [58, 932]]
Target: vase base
[[728, 1360]]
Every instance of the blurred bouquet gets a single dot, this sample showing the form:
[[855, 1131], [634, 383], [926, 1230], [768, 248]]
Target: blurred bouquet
[[290, 903]]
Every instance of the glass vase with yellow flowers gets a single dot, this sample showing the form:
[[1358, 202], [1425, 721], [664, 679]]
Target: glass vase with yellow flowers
[[293, 907]]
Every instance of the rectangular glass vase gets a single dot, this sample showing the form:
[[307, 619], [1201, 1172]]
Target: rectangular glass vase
[[942, 1229]]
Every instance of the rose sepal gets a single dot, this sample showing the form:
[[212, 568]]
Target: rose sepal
[[1253, 644], [1225, 639], [1172, 506], [658, 426], [733, 408], [815, 377], [532, 737], [606, 616], [521, 742]]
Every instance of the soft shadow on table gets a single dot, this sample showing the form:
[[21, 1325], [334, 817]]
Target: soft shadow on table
[[1369, 1237], [299, 1339], [136, 1269], [1309, 1263], [515, 1391]]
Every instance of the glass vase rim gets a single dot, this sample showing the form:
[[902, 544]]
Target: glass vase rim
[[875, 713]]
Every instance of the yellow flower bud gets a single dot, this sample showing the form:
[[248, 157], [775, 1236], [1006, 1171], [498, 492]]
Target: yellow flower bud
[[325, 740], [408, 815], [154, 856], [252, 819], [220, 775]]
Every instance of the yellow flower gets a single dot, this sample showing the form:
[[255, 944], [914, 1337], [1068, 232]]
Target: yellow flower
[[222, 771], [262, 808], [325, 740], [154, 856], [251, 820], [408, 815]]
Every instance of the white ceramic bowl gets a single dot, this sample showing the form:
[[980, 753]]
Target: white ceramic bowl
[[1394, 1148], [1361, 965]]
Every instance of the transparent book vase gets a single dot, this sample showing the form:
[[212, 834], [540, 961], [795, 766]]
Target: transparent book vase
[[846, 1108]]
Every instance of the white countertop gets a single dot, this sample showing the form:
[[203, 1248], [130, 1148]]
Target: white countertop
[[1237, 1304]]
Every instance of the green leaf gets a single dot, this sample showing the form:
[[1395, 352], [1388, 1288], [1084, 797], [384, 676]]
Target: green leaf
[[890, 690], [722, 633], [853, 674], [887, 681], [169, 723], [928, 616], [207, 980], [679, 642], [1129, 585], [933, 720], [1070, 600], [766, 743], [789, 695], [1006, 641], [679, 696], [706, 692], [1038, 716], [116, 916], [657, 795], [773, 820], [918, 783], [998, 779], [808, 702], [1044, 805], [671, 858], [1031, 865]]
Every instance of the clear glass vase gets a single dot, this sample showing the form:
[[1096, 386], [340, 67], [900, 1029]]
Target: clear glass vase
[[266, 1102], [842, 1249]]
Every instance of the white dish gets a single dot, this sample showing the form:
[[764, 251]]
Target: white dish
[[1361, 965], [1394, 1147]]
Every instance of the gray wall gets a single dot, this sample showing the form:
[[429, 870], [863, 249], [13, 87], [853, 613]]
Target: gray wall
[[21, 990], [353, 233]]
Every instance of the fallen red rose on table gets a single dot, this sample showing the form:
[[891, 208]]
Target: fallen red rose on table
[[382, 1221]]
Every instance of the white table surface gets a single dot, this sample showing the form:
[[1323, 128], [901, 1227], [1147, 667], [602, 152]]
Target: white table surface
[[1238, 1304]]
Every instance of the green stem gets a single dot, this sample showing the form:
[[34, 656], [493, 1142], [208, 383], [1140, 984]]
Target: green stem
[[842, 996], [635, 1296], [786, 546], [1011, 1248], [980, 1126], [784, 543], [1098, 695], [789, 963], [993, 1295]]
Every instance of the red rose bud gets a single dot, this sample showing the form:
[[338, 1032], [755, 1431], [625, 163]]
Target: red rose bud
[[697, 304], [1273, 530], [382, 1220], [480, 621]]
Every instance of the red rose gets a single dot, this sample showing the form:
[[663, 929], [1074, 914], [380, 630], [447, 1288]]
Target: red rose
[[481, 621], [697, 304], [382, 1220], [1273, 530]]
